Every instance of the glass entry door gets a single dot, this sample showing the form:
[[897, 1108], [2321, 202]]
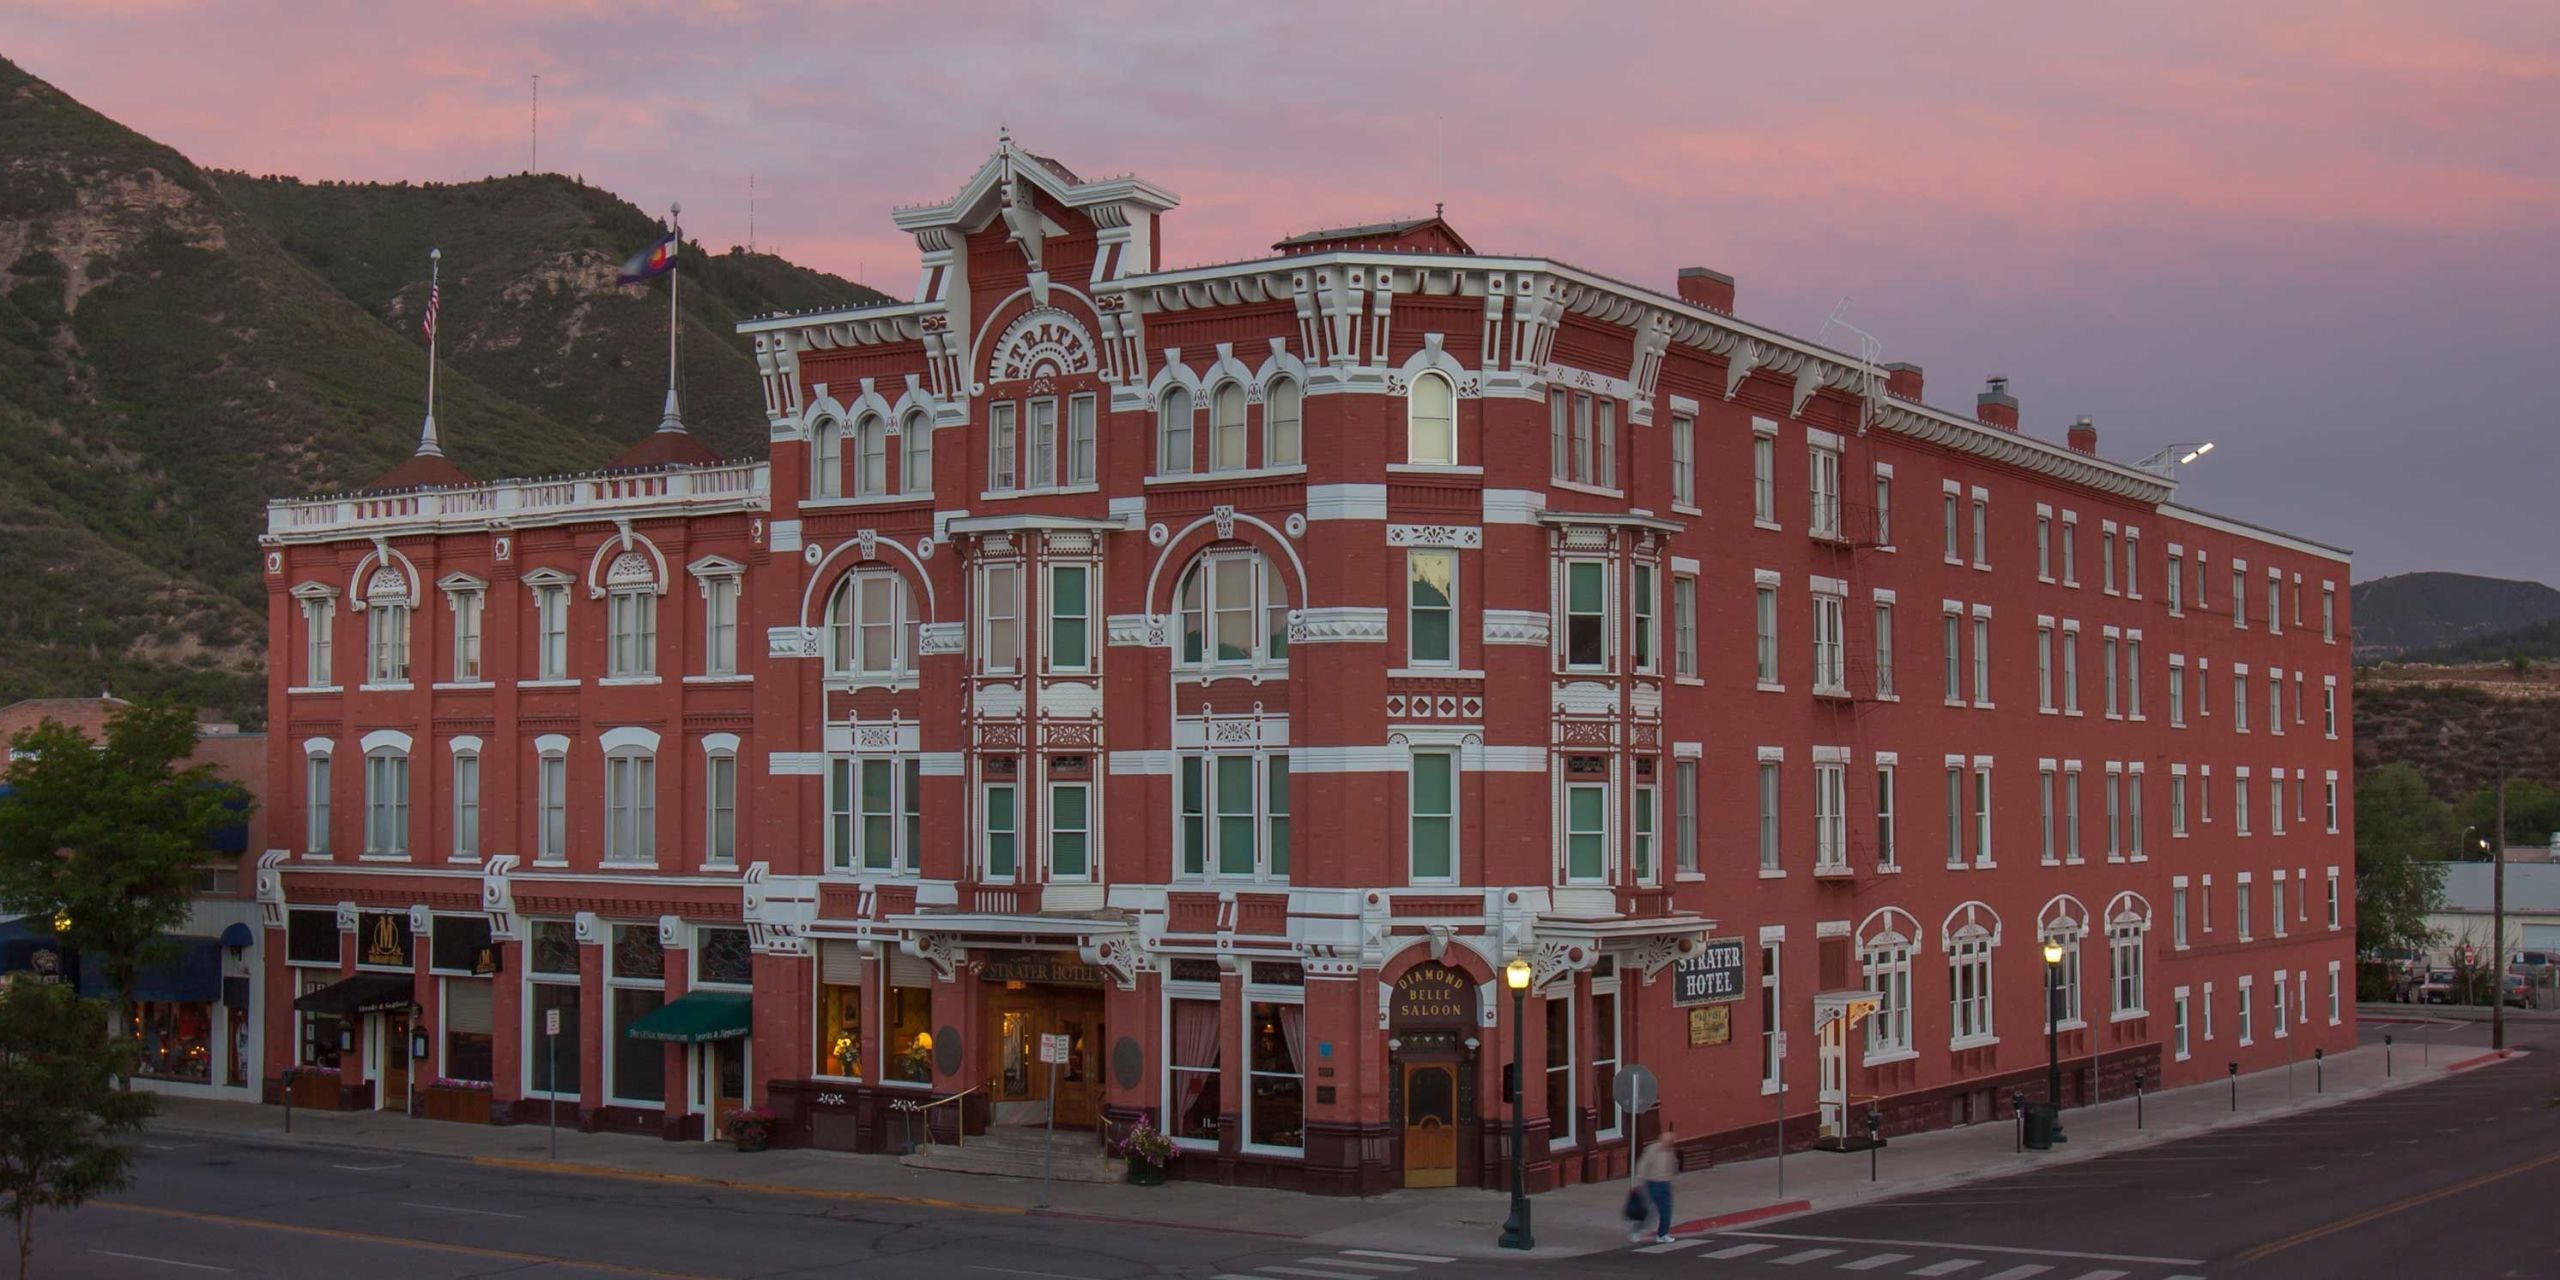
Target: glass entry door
[[719, 1084], [1021, 1081]]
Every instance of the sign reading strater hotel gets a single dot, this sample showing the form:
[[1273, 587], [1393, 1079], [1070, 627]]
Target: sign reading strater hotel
[[1713, 976]]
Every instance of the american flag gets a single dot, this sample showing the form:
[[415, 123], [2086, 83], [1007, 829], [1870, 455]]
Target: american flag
[[435, 299]]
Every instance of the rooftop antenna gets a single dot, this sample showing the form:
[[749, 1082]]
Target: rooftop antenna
[[1868, 350], [1443, 182], [751, 213], [533, 161]]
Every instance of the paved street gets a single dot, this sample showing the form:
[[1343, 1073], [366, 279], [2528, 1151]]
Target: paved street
[[2444, 1179]]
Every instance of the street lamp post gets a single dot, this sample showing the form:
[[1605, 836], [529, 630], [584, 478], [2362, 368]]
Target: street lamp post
[[1515, 1230], [2053, 1032]]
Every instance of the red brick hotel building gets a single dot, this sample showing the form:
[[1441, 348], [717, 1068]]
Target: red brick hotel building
[[1232, 668]]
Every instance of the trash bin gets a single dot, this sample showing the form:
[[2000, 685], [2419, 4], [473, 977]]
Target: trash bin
[[2041, 1119]]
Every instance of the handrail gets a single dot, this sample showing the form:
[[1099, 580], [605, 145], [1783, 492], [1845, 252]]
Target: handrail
[[910, 1109]]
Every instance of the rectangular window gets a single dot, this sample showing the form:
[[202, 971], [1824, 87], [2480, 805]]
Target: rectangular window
[[1000, 830], [1586, 832], [2178, 916], [1280, 426], [2240, 701], [2133, 815], [1070, 831], [2275, 900], [1969, 990], [999, 618], [2177, 804], [1830, 815], [1769, 816], [1764, 480], [2044, 668], [2275, 805], [1080, 437], [1825, 495], [1888, 972], [2333, 898], [2328, 613], [1561, 1112], [1884, 508], [908, 1046], [1234, 822], [2070, 671], [916, 468], [2275, 702], [2275, 604], [2180, 1033], [551, 798], [1830, 664], [1955, 815], [2133, 676], [2115, 816], [1684, 491], [319, 620], [1582, 439], [387, 628], [2177, 583], [1981, 533], [1000, 446], [1684, 626], [1765, 627], [2329, 802], [467, 611], [1953, 629], [1433, 829], [1431, 602], [2240, 907], [2240, 804], [1949, 514], [315, 806], [1642, 577], [1884, 651], [2044, 547], [551, 619], [2070, 551], [1640, 844], [1275, 814], [1981, 661], [2329, 709], [2107, 664], [720, 626], [466, 805], [1043, 468], [2177, 696], [1884, 816], [2071, 814], [2044, 813], [2107, 560], [1586, 607], [1684, 814], [2240, 597], [1982, 815], [386, 804], [1604, 1053], [720, 800], [631, 807], [2132, 564], [1070, 617], [1194, 816], [633, 651]]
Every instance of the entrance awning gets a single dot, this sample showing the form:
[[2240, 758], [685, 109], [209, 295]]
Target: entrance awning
[[363, 993], [697, 1017], [181, 970]]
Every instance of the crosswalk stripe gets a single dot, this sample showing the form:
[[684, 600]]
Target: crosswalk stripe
[[2103, 1275], [2019, 1272], [1802, 1255], [1741, 1251], [1365, 1266], [1311, 1273], [1874, 1261], [1395, 1257], [1948, 1267], [1673, 1247]]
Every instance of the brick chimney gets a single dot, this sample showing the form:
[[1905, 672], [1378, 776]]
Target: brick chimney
[[1710, 289], [1902, 380], [2084, 435], [1995, 406]]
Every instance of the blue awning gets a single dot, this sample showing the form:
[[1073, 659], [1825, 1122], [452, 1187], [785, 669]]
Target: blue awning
[[238, 936], [177, 969]]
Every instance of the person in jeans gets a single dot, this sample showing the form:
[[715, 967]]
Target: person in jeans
[[1654, 1169]]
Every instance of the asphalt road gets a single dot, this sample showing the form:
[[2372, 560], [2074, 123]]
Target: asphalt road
[[2449, 1179]]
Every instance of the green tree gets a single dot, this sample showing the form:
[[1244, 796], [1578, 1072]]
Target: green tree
[[107, 837], [2402, 831], [2533, 811], [61, 1112]]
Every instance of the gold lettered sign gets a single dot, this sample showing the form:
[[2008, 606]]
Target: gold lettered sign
[[1433, 995], [382, 939], [1712, 1024], [1031, 966]]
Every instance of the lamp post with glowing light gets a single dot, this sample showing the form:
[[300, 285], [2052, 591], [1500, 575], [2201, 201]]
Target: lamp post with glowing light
[[1515, 1230], [2053, 1031]]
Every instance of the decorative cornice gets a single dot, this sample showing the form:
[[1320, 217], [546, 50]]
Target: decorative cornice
[[1344, 624]]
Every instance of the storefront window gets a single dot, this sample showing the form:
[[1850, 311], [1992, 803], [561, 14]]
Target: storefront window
[[638, 983], [1276, 1104], [1559, 1069], [840, 1031], [910, 1043], [1192, 1107], [553, 1068], [176, 1040], [722, 958], [466, 1012], [319, 1030]]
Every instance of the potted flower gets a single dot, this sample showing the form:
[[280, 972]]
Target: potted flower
[[751, 1128], [1148, 1150], [446, 1098]]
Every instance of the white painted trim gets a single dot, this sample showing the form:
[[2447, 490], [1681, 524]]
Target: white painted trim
[[628, 736], [381, 738]]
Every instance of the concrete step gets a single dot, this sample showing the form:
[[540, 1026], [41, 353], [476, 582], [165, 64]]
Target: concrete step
[[1016, 1153]]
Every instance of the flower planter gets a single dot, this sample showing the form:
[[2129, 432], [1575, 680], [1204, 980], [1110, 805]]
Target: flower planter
[[460, 1106], [1142, 1174], [319, 1091]]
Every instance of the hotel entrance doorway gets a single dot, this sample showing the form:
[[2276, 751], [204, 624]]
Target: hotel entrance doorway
[[1034, 995]]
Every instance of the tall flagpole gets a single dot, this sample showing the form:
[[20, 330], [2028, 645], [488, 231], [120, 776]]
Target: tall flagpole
[[674, 419], [427, 443]]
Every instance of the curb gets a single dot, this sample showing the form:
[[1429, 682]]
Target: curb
[[1739, 1216], [2482, 1060], [576, 1170]]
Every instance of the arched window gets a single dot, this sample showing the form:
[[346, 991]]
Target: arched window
[[2128, 919], [870, 456], [387, 626], [1173, 433], [870, 628], [826, 459], [1234, 609], [386, 802], [1226, 427], [1280, 405], [2065, 921], [916, 435], [1887, 940], [631, 599], [1971, 931], [1431, 422]]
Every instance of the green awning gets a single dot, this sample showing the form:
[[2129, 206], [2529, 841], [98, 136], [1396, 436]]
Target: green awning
[[697, 1017]]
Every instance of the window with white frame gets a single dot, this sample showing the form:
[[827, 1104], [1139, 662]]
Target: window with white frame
[[999, 820], [1830, 814], [1192, 1080], [2128, 922], [2051, 856], [2240, 596], [2240, 700], [1981, 658], [2065, 924], [1684, 626], [1981, 531], [2240, 802], [1684, 816], [1684, 482], [1235, 815], [2240, 905], [1951, 629], [1886, 943], [2044, 547], [630, 805], [2206, 1006], [999, 617], [2178, 913], [386, 802], [1585, 592], [915, 439], [2177, 693], [551, 626], [1071, 830], [1004, 435], [1226, 427], [1772, 1062], [1641, 593], [635, 987], [2329, 802], [1281, 431], [2070, 550], [1825, 486], [874, 815], [2275, 603], [2044, 667], [720, 624], [1830, 643], [2133, 563], [1884, 508], [2107, 558], [1950, 513], [2071, 812], [1606, 1038], [2329, 706], [2070, 669], [1764, 479], [1586, 820], [2328, 613], [387, 630], [319, 645], [1071, 618], [551, 805], [469, 606], [1431, 422], [2133, 812], [1769, 851], [871, 625], [1885, 855], [2179, 1042], [2275, 803], [2333, 993], [1981, 813], [1955, 814], [1969, 984], [870, 456], [1884, 649], [1765, 633], [2133, 675], [1040, 461], [1641, 834], [2177, 583], [2282, 1026], [631, 614], [826, 459], [1432, 825], [1174, 454], [720, 808], [1563, 1115], [2107, 679], [1234, 610], [466, 805], [2177, 804], [2115, 812]]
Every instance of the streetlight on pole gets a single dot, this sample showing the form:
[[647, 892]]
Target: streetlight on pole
[[1515, 1230], [2053, 1031], [2167, 461]]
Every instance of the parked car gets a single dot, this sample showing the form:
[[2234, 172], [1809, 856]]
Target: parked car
[[2520, 992], [2437, 988], [2532, 963]]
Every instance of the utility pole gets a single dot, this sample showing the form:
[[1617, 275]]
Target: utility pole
[[2498, 922], [533, 131]]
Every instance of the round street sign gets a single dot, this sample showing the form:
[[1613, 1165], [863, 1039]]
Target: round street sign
[[1636, 1089]]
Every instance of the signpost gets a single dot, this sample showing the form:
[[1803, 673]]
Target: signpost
[[551, 1047], [1053, 1050], [1780, 1041]]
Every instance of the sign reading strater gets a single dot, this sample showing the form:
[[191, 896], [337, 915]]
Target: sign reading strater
[[1713, 976]]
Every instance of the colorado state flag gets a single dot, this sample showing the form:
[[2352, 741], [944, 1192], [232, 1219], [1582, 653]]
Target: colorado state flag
[[652, 262]]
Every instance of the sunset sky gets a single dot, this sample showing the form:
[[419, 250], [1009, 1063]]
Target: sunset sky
[[2326, 236]]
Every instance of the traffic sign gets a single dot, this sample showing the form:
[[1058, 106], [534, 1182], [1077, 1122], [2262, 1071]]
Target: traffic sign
[[1053, 1048], [550, 1022], [1635, 1089]]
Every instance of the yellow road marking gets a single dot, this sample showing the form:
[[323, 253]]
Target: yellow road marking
[[340, 1233], [2397, 1206], [735, 1184]]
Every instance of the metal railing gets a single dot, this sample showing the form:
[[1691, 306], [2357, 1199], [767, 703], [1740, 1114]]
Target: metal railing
[[909, 1112]]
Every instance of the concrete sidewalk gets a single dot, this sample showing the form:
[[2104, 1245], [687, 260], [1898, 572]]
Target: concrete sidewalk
[[1460, 1222]]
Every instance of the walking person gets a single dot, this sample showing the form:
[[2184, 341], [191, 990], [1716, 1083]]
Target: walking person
[[1654, 1169]]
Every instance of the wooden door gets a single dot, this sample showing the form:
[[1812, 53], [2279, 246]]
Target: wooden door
[[1431, 1124], [1079, 1093], [723, 1084], [395, 1062]]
